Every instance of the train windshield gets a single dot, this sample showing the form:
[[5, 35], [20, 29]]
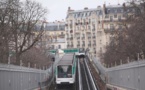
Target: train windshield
[[81, 50], [64, 71]]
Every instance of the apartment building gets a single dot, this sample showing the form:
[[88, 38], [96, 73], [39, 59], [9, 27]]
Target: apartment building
[[55, 35], [82, 27], [93, 28]]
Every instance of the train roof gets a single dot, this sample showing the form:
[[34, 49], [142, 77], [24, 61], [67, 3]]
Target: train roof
[[67, 59]]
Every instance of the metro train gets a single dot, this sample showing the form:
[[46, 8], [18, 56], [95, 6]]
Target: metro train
[[65, 70], [81, 52]]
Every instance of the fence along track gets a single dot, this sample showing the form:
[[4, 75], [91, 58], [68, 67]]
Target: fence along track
[[79, 74], [97, 79]]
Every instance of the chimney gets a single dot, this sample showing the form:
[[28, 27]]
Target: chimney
[[104, 5], [62, 20], [86, 8], [104, 8], [69, 8], [124, 5], [99, 7]]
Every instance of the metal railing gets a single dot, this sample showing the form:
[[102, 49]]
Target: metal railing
[[20, 78], [130, 76], [80, 79], [90, 76]]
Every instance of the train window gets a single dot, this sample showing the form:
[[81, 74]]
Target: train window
[[64, 71]]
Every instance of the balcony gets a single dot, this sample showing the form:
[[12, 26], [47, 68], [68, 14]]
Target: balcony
[[94, 52], [93, 29], [89, 44], [109, 30], [67, 38], [78, 45], [71, 38], [94, 45], [83, 37], [114, 20], [89, 37], [62, 35], [78, 37], [66, 25], [88, 31], [83, 44], [77, 31], [94, 37], [71, 45]]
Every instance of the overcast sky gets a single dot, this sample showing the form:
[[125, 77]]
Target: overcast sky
[[57, 9]]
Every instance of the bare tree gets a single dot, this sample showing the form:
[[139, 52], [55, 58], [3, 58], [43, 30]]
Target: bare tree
[[7, 13], [24, 26], [130, 41]]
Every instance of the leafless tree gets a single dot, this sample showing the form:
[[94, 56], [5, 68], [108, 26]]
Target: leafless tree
[[35, 56], [24, 26], [130, 41]]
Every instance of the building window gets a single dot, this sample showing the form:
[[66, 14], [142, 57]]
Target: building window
[[78, 21], [83, 35], [119, 18], [111, 18], [78, 42], [89, 27], [93, 26], [119, 26], [106, 16], [100, 41], [124, 15], [106, 43], [52, 46], [61, 33], [89, 20], [84, 21], [115, 16], [111, 26], [78, 27], [93, 20], [59, 46], [83, 42], [100, 49]]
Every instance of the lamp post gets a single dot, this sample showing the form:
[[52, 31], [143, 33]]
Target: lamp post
[[52, 59], [9, 60]]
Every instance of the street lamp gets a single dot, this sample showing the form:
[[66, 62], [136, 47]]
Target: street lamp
[[52, 59]]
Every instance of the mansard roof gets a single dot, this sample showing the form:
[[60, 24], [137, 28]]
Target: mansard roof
[[84, 13], [55, 26], [110, 9]]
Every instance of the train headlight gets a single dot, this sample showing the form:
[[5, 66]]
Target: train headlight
[[69, 75]]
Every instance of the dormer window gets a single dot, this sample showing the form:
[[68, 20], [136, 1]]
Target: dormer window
[[115, 15], [119, 18], [106, 16], [108, 11]]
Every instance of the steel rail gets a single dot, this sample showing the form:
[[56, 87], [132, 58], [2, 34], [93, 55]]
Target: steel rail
[[80, 79], [90, 76]]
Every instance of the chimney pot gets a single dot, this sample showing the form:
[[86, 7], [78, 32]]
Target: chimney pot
[[86, 8], [124, 5], [69, 8]]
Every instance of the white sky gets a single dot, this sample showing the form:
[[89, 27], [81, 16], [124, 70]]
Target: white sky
[[57, 9]]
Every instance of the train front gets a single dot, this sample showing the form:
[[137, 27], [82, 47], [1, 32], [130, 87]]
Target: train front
[[64, 74]]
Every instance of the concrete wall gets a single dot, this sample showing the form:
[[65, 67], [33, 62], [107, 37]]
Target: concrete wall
[[130, 76], [20, 78]]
